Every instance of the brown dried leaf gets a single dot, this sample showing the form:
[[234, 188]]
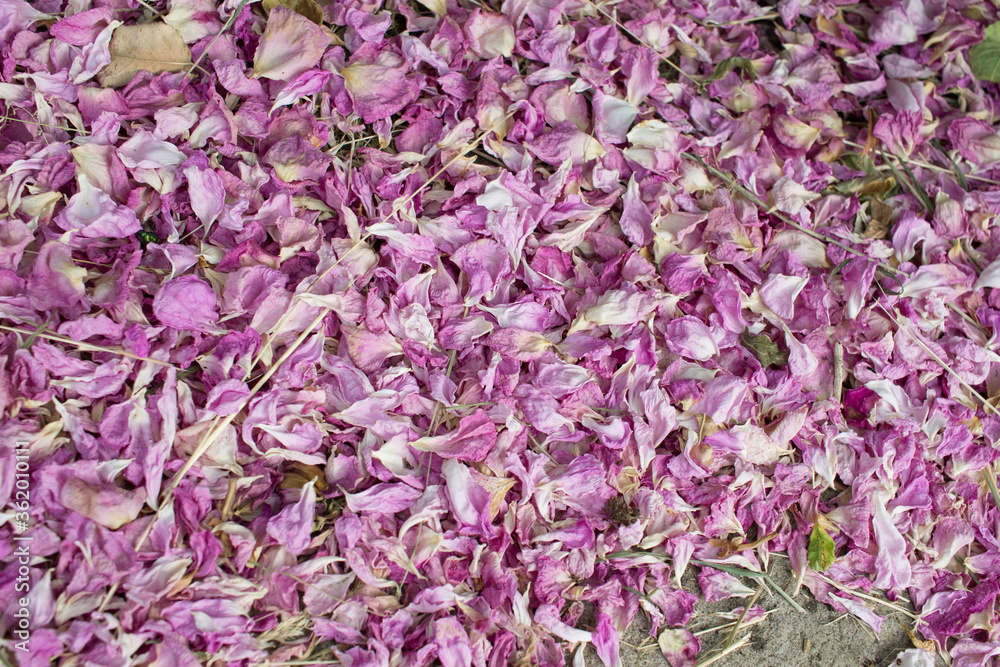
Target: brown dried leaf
[[756, 543], [686, 50], [307, 8], [880, 224], [497, 487], [829, 27], [925, 644], [152, 47], [874, 186], [300, 474]]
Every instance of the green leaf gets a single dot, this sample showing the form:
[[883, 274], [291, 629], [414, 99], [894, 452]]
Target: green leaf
[[743, 572], [821, 555], [729, 64], [766, 350], [730, 569], [783, 593], [984, 57], [34, 334], [913, 185], [859, 162]]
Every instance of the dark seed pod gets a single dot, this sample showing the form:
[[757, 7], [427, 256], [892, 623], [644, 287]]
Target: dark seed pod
[[620, 512]]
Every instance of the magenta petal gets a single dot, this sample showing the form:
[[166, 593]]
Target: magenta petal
[[292, 527], [187, 302], [636, 220], [291, 44], [472, 441]]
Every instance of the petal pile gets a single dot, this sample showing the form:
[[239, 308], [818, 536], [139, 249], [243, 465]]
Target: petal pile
[[394, 332]]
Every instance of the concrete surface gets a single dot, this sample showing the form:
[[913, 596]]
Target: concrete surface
[[821, 637]]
